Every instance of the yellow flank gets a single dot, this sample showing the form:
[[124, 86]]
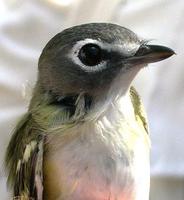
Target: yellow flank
[[133, 133], [134, 127]]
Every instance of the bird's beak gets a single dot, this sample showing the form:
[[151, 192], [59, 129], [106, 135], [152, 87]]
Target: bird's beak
[[150, 54]]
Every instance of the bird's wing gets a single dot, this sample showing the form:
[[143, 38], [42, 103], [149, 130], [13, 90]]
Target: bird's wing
[[24, 161], [138, 108]]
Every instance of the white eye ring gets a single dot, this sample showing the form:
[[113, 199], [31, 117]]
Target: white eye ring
[[73, 54]]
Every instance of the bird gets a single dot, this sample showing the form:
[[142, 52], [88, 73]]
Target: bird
[[85, 133]]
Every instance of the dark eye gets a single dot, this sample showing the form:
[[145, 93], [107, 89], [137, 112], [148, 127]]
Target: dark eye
[[90, 54]]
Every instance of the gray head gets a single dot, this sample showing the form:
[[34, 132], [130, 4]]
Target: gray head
[[90, 58]]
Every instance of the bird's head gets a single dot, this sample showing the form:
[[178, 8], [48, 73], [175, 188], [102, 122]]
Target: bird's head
[[97, 59]]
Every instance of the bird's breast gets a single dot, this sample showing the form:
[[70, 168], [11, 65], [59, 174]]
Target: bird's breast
[[105, 160]]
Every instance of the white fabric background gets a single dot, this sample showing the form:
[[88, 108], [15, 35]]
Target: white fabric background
[[26, 26]]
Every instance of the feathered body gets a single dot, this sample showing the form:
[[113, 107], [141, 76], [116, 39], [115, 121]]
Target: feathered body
[[100, 158], [104, 156]]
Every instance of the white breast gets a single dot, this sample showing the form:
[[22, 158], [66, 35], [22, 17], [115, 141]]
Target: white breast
[[106, 159]]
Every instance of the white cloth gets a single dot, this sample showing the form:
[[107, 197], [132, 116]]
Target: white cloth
[[26, 26]]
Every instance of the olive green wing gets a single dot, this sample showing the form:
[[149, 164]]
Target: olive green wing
[[138, 108], [25, 151], [23, 161]]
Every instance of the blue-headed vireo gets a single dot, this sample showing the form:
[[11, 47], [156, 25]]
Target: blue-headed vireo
[[85, 135]]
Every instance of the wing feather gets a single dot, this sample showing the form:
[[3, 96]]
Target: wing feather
[[24, 161]]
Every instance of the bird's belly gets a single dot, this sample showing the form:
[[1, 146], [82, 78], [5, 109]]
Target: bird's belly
[[100, 180], [90, 171]]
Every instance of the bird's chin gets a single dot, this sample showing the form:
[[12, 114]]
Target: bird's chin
[[124, 79]]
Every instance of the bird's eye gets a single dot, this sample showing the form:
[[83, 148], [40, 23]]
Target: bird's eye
[[90, 54]]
